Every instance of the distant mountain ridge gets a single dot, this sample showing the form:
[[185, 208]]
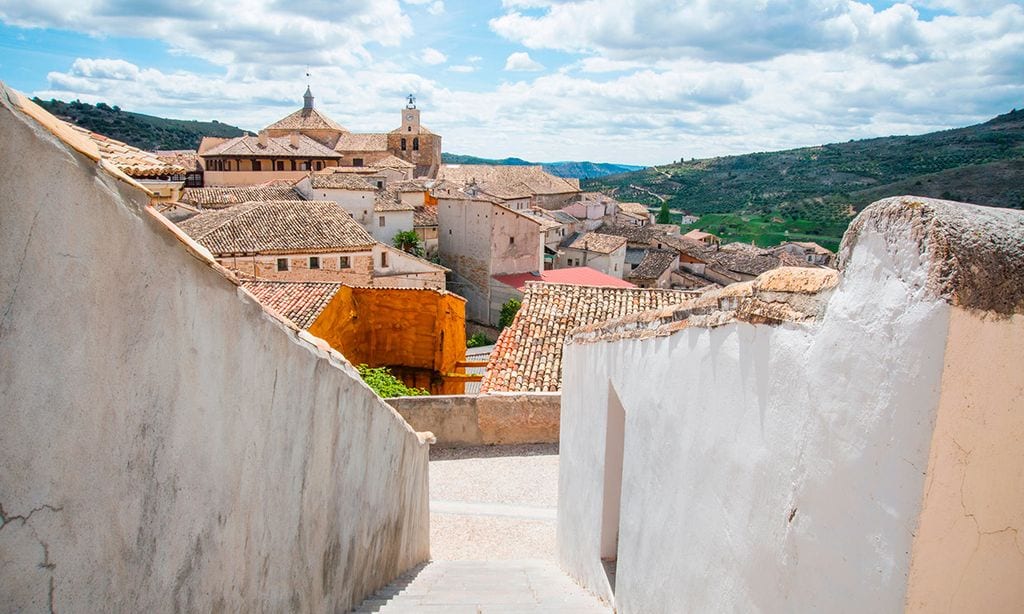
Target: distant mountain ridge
[[138, 130], [577, 170], [813, 192]]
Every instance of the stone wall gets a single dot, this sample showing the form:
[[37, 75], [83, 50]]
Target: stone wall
[[793, 447], [167, 445], [490, 419]]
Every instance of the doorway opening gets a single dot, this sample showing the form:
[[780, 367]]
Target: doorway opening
[[614, 446]]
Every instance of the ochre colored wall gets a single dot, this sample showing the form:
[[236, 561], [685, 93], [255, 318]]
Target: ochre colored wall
[[968, 552], [412, 330]]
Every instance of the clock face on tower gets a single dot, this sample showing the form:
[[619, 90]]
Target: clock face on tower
[[408, 117]]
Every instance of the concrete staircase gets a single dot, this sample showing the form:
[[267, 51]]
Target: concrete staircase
[[484, 587]]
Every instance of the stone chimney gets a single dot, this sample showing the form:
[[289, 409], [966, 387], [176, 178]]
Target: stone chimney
[[295, 139], [263, 138]]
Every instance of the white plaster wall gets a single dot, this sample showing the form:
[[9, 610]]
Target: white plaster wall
[[771, 469], [167, 445], [359, 203], [464, 246], [394, 222], [525, 253]]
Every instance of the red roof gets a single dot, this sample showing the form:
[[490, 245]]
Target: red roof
[[575, 276]]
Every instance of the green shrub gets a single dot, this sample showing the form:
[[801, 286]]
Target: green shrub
[[478, 339], [508, 312], [387, 385]]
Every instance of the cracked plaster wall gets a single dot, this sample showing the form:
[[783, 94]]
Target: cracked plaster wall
[[166, 445], [788, 467]]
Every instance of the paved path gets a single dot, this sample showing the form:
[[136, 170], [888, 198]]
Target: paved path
[[484, 587], [499, 504]]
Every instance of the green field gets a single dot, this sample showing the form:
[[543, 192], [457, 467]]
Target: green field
[[766, 231]]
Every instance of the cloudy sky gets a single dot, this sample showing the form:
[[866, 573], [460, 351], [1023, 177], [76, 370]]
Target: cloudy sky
[[642, 82]]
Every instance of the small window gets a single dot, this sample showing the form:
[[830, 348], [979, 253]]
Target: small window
[[449, 231], [416, 144], [319, 165], [403, 145], [303, 166], [408, 130], [380, 185], [381, 222], [511, 240], [616, 267], [257, 165], [282, 264], [314, 262], [384, 260], [343, 262], [357, 161], [293, 165], [280, 165]]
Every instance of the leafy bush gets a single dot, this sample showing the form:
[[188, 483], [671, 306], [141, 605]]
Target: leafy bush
[[387, 385], [408, 241], [478, 339], [508, 312]]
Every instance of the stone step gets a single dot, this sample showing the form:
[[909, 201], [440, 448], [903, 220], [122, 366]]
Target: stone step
[[484, 587]]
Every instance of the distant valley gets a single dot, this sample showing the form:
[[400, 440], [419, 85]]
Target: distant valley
[[812, 193], [578, 170]]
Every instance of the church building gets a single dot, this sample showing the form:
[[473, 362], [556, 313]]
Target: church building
[[307, 140]]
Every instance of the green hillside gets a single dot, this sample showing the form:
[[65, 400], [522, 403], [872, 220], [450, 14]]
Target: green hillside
[[142, 131], [811, 193], [578, 170]]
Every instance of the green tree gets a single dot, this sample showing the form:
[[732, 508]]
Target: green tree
[[408, 241], [664, 215], [387, 385], [477, 340], [508, 312]]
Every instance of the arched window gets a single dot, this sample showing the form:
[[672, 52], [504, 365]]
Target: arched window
[[403, 144], [416, 144]]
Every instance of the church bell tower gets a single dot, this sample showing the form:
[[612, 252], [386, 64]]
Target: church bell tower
[[411, 117]]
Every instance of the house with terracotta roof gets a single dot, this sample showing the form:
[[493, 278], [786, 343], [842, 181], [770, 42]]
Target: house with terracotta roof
[[505, 287], [704, 237], [247, 160], [480, 237], [424, 223], [654, 269], [593, 209], [809, 251], [354, 193], [635, 214], [306, 241], [420, 334], [223, 197], [519, 187], [605, 253], [528, 354], [391, 215]]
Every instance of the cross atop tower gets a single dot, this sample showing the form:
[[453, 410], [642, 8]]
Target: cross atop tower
[[412, 102]]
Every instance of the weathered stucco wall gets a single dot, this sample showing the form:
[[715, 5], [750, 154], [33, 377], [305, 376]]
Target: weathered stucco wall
[[790, 467], [166, 444], [490, 419]]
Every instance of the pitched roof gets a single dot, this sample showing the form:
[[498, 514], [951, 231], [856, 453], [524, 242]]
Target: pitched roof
[[339, 181], [574, 276], [390, 201], [750, 260], [697, 235], [635, 208], [131, 161], [283, 226], [299, 301], [528, 354], [306, 119], [516, 181], [424, 217], [594, 242], [276, 146], [654, 264], [221, 197], [422, 130], [362, 142], [393, 162], [812, 246], [185, 158]]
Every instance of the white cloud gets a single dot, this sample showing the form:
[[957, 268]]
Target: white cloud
[[323, 33], [521, 61], [464, 68], [436, 8], [433, 56], [474, 59]]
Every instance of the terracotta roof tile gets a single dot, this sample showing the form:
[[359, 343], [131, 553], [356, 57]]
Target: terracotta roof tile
[[654, 264], [221, 197], [185, 158], [595, 242], [276, 146], [362, 142], [393, 162], [131, 161], [278, 227], [514, 181], [528, 354], [339, 181], [306, 119], [424, 216], [299, 301], [390, 201], [635, 208]]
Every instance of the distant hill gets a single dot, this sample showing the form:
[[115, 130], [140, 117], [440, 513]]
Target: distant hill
[[578, 170], [142, 131], [811, 193]]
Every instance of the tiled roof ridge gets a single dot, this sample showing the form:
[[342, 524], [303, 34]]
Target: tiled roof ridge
[[785, 294]]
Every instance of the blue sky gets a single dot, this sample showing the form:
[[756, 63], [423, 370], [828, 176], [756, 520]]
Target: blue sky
[[642, 82]]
